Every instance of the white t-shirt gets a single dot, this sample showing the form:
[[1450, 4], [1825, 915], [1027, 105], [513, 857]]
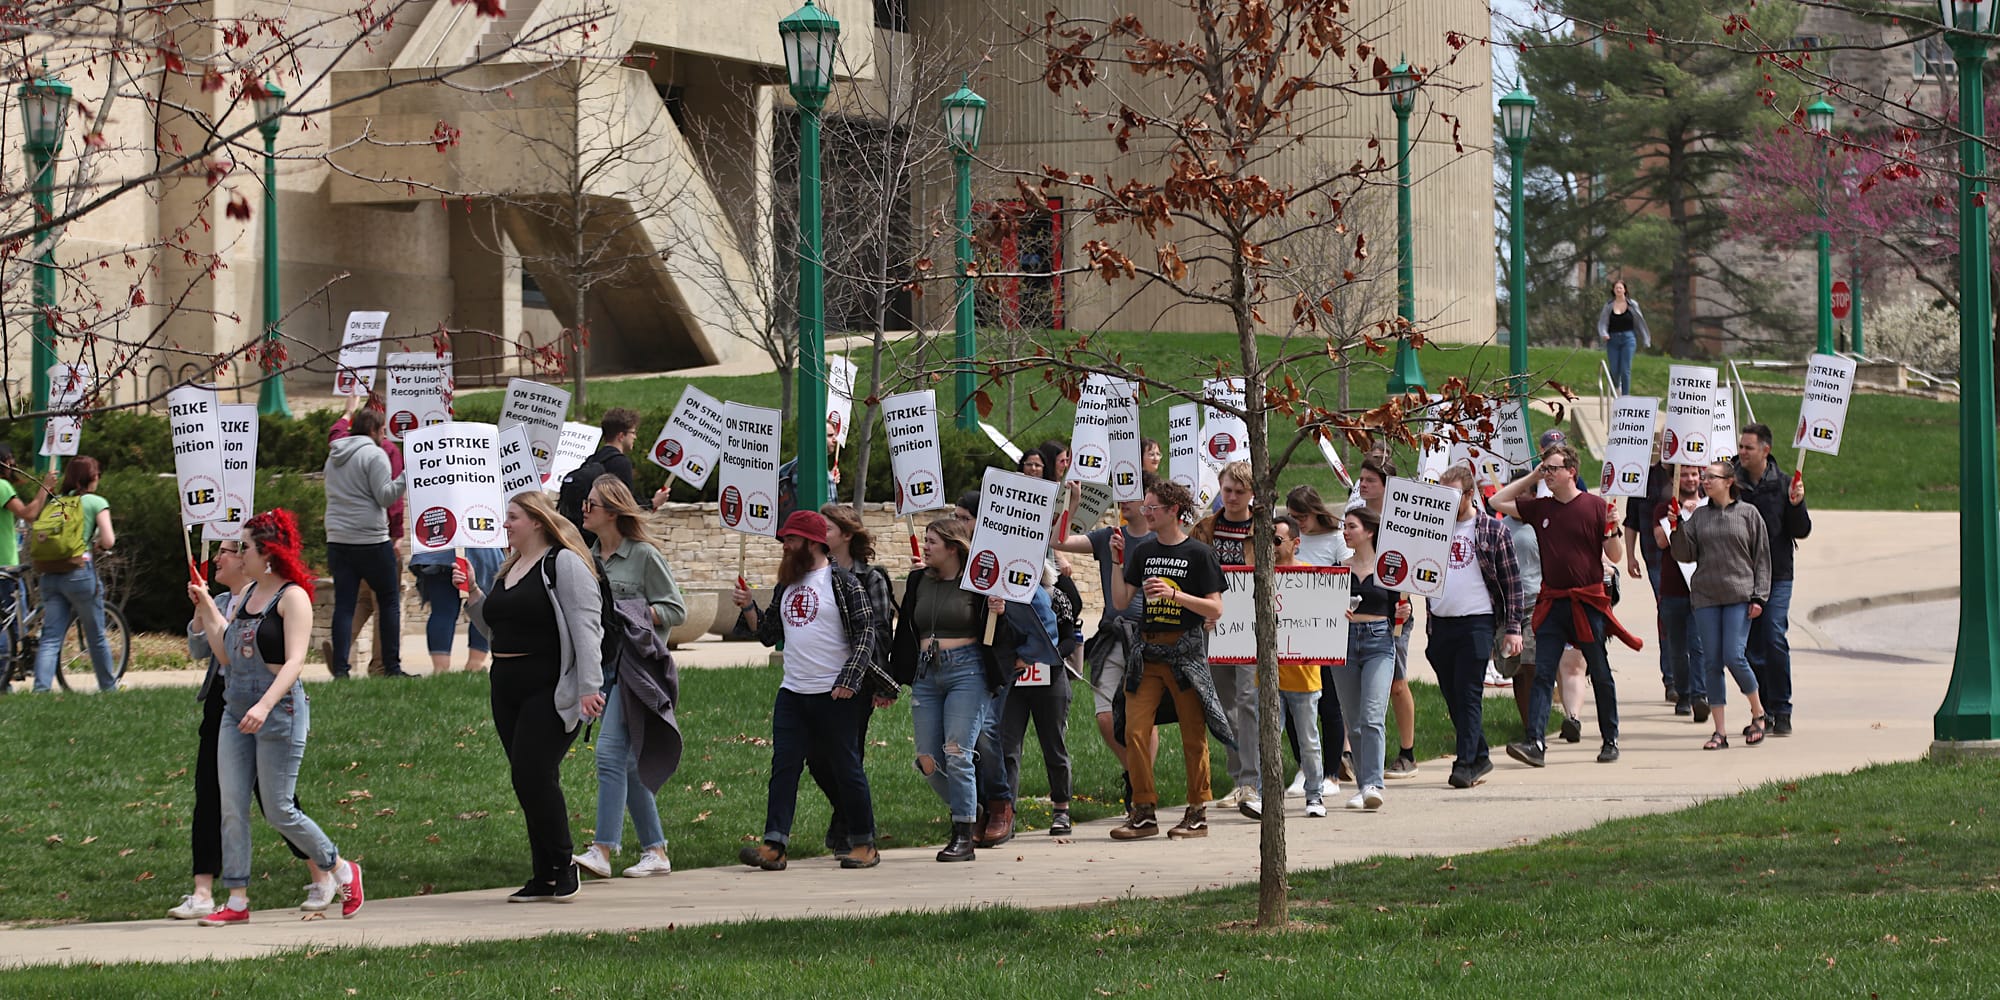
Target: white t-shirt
[[1324, 550], [815, 637], [1464, 584]]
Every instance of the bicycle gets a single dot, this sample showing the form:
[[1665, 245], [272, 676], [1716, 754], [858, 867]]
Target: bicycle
[[21, 629]]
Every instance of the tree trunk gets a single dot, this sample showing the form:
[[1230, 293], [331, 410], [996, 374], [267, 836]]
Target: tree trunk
[[869, 410], [1273, 902], [1680, 276], [579, 354], [785, 379]]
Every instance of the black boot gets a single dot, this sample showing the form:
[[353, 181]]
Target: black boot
[[960, 847]]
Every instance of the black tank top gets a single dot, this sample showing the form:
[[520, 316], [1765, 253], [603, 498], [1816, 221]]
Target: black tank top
[[270, 625], [1375, 598], [1620, 322]]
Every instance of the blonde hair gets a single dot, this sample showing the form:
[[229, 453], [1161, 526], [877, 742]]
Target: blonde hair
[[1239, 470], [560, 533], [613, 495]]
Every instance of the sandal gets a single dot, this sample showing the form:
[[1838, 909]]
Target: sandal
[[1753, 733], [1716, 742]]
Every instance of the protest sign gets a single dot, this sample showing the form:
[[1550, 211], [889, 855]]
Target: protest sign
[[419, 390], [542, 408], [839, 399], [910, 421], [194, 419], [1628, 448], [1414, 544], [1311, 605], [453, 471], [1823, 413], [1090, 439], [1332, 456], [1184, 445], [1512, 437], [1122, 428], [688, 445], [1723, 444], [360, 349], [749, 469], [1690, 416], [1434, 455], [238, 422], [1016, 514], [1091, 507], [578, 443], [1224, 439], [69, 386], [515, 456]]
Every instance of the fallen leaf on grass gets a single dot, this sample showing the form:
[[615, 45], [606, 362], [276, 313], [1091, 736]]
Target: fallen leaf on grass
[[702, 816], [126, 852], [53, 839], [1891, 939], [385, 811], [92, 839], [1447, 866], [144, 877], [1940, 940], [479, 814]]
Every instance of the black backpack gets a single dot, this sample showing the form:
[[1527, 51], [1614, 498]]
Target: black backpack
[[576, 486]]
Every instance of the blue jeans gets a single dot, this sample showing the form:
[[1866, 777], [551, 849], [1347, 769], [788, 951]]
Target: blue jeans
[[268, 761], [1724, 630], [618, 784], [1362, 685], [948, 705], [1332, 728], [1770, 652], [1302, 711], [1618, 353], [350, 566], [822, 728], [444, 600], [67, 597], [1681, 646], [1557, 629], [1459, 649]]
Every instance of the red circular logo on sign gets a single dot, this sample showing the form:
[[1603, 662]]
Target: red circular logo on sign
[[1606, 488], [1221, 445], [1391, 568], [403, 422], [985, 570], [1669, 445], [668, 452], [732, 507], [435, 527]]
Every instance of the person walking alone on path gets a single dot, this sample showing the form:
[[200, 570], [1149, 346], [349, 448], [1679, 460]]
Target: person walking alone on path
[[1482, 589], [1621, 326], [1782, 501], [1727, 542]]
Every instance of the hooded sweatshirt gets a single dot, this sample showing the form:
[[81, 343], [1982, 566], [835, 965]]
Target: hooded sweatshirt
[[359, 490]]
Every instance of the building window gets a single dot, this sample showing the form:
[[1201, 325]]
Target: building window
[[1930, 59], [893, 15], [674, 96], [531, 293]]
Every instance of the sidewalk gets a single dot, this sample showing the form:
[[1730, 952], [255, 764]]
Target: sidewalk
[[1854, 709]]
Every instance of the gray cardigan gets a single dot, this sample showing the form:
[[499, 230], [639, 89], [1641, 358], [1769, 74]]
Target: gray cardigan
[[579, 621], [1638, 322], [1732, 553]]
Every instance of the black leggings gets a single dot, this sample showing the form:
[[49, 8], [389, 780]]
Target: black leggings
[[206, 831], [524, 714]]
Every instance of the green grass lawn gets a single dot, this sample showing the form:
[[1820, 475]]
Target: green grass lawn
[[409, 779], [1875, 883], [1901, 453]]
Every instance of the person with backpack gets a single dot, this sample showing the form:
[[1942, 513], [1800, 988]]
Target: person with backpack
[[71, 530], [851, 547], [361, 488], [620, 432], [635, 568], [544, 618]]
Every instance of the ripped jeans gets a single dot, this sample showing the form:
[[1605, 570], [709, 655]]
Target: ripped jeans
[[948, 705]]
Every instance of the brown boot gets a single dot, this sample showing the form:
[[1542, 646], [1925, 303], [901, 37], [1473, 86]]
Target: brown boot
[[861, 856], [999, 827], [767, 855], [1194, 823], [1137, 825]]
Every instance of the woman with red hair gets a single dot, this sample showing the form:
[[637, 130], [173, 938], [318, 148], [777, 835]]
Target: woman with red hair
[[265, 717]]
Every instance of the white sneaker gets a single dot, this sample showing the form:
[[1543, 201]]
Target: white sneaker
[[594, 861], [1371, 798], [1315, 808], [192, 908], [1235, 797], [1329, 789], [1494, 680], [1298, 785], [1359, 801], [650, 864], [1253, 808], [319, 896]]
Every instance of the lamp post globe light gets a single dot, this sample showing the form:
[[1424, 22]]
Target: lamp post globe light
[[964, 114], [1967, 722], [1402, 90], [270, 106], [1517, 117], [1819, 118], [45, 103], [811, 39]]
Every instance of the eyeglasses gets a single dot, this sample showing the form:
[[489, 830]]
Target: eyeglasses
[[1710, 475], [231, 551], [1557, 468], [589, 504], [1148, 508]]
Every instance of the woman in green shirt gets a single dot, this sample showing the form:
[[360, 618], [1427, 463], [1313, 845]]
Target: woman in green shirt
[[634, 566], [70, 590]]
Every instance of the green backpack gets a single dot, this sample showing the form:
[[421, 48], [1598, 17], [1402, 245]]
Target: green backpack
[[57, 543]]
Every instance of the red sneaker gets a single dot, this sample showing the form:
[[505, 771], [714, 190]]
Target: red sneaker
[[224, 916], [351, 896]]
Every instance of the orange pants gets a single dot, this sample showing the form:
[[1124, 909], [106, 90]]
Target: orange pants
[[1156, 683]]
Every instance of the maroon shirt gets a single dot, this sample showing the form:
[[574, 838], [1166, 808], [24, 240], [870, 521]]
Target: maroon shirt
[[1571, 536]]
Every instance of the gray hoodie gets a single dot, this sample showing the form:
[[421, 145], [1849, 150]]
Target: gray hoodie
[[359, 491]]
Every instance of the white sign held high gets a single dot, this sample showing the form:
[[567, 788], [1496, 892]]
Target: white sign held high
[[1184, 445], [1332, 456], [688, 445], [514, 455], [1823, 413], [1723, 444], [749, 469], [453, 471], [1016, 515], [194, 418], [1224, 439], [1414, 545], [1090, 439], [910, 421], [1628, 449], [578, 443], [1690, 424], [419, 391], [1311, 610], [543, 409], [1122, 428], [239, 471], [360, 350], [839, 399], [69, 386]]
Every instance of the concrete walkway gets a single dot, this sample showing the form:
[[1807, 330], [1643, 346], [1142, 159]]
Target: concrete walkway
[[1854, 707]]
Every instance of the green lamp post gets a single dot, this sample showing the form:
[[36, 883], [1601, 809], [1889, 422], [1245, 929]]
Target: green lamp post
[[811, 40], [271, 395], [1819, 118], [1968, 714], [45, 103], [1517, 115], [1409, 374], [964, 113]]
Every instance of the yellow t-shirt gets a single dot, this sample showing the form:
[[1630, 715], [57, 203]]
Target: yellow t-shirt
[[1298, 677]]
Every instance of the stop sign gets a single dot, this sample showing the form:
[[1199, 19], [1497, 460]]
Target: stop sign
[[1843, 300]]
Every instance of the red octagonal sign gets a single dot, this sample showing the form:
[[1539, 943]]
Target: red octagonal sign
[[1843, 300]]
